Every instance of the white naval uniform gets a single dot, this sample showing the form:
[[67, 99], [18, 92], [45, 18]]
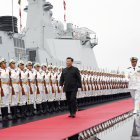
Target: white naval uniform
[[52, 78], [109, 90], [120, 81], [6, 99], [102, 91], [126, 81], [79, 92], [46, 78], [58, 95], [31, 77], [24, 98], [98, 92], [105, 81], [63, 95], [16, 86], [119, 90], [83, 92], [92, 80], [54, 86], [86, 85], [39, 97], [113, 90], [134, 83], [95, 85], [89, 84]]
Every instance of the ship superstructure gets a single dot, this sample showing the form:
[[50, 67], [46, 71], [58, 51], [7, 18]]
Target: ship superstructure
[[45, 40]]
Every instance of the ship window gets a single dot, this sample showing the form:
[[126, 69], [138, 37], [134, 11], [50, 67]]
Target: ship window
[[23, 44], [20, 53], [14, 41], [19, 43], [0, 40]]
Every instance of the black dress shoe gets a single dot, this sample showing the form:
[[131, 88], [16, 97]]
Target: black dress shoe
[[14, 117], [5, 118], [73, 116], [38, 112]]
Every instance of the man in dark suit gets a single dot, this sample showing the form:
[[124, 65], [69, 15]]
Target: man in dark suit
[[71, 80]]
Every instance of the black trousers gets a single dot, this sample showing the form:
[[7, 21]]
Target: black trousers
[[71, 101]]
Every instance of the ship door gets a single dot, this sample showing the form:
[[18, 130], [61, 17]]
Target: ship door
[[32, 55]]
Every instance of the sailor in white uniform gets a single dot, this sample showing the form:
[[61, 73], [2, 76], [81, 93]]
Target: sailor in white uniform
[[40, 88], [58, 79], [32, 86], [62, 94], [57, 89], [46, 79], [25, 91], [54, 87], [14, 75], [5, 90], [133, 74], [51, 94]]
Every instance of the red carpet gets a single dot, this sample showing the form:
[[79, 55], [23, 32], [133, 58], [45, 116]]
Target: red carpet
[[58, 128]]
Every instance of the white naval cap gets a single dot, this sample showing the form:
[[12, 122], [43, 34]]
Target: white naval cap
[[20, 62], [12, 61], [29, 63], [81, 69], [3, 60], [36, 65], [50, 66], [55, 67], [43, 65], [88, 70], [133, 59], [62, 67]]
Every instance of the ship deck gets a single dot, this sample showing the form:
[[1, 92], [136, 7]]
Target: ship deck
[[62, 127]]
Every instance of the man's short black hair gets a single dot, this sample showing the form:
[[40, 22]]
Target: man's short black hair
[[70, 58]]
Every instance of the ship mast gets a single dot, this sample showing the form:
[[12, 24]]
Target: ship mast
[[12, 17]]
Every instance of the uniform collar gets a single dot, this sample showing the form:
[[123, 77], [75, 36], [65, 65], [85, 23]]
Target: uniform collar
[[69, 67], [135, 68]]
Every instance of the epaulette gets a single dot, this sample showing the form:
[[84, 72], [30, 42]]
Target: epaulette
[[129, 68]]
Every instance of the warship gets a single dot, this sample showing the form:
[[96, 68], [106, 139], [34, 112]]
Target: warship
[[45, 40]]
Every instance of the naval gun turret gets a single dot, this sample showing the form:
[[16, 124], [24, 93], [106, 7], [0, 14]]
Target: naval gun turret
[[47, 40]]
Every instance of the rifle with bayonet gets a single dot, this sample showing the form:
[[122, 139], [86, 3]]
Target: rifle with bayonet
[[46, 90], [11, 84], [2, 93], [36, 81], [29, 83], [21, 84]]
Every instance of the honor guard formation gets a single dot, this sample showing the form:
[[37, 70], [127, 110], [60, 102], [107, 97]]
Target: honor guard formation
[[27, 90]]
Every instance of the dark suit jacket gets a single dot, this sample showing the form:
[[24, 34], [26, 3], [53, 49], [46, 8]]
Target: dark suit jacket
[[71, 79]]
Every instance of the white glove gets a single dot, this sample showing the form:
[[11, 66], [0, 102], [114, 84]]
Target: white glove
[[60, 87], [79, 89]]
